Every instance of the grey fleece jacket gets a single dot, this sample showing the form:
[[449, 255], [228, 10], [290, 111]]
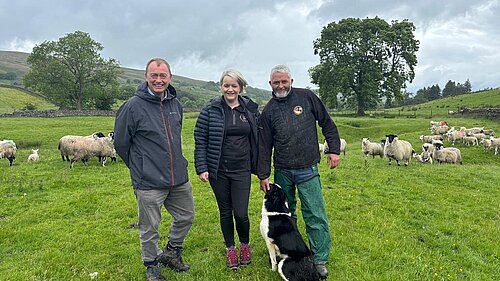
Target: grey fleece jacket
[[148, 139]]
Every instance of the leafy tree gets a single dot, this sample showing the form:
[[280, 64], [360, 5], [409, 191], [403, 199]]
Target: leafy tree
[[71, 73], [433, 93], [450, 89], [363, 60]]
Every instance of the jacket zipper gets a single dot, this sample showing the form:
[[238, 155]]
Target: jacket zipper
[[168, 140]]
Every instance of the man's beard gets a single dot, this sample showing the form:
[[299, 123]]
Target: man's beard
[[282, 93]]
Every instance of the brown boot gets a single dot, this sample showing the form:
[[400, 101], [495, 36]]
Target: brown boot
[[171, 257]]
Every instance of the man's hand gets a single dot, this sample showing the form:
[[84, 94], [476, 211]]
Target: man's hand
[[203, 176], [332, 160], [264, 184]]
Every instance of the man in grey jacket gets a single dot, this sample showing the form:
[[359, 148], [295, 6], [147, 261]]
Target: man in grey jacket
[[148, 139]]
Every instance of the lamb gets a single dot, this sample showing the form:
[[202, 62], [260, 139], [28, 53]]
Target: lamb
[[479, 136], [343, 146], [470, 141], [371, 148], [424, 157], [456, 135], [427, 147], [487, 145], [87, 148], [495, 143], [8, 150], [66, 142], [447, 154], [428, 139], [399, 150], [33, 157]]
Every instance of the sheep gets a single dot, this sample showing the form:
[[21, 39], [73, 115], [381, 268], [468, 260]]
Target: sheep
[[371, 148], [66, 142], [33, 157], [487, 145], [429, 139], [488, 132], [455, 135], [424, 157], [427, 147], [86, 148], [470, 141], [399, 150], [321, 147], [8, 150], [343, 146], [479, 136], [440, 123], [437, 130], [474, 130], [446, 154], [495, 143]]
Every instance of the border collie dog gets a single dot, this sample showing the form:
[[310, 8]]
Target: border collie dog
[[288, 252]]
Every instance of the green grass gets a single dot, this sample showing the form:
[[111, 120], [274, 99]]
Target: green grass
[[421, 222], [13, 99]]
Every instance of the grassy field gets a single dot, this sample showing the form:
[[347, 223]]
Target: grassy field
[[13, 99], [421, 222]]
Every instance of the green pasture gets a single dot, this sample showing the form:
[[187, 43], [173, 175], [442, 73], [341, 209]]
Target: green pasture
[[13, 99], [421, 222]]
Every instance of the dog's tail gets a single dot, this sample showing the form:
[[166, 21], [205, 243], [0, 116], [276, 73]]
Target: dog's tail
[[300, 269]]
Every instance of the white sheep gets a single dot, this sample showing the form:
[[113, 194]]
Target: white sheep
[[87, 148], [470, 141], [438, 130], [489, 132], [480, 137], [447, 154], [495, 143], [424, 157], [474, 130], [343, 146], [399, 150], [428, 139], [487, 145], [67, 142], [8, 150], [33, 157], [454, 136], [371, 148]]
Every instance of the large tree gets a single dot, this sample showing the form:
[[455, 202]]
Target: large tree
[[71, 73], [364, 60]]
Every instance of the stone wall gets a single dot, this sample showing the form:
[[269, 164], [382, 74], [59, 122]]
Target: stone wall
[[493, 113]]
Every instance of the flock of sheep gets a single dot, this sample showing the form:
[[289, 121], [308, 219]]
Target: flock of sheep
[[433, 148], [77, 147]]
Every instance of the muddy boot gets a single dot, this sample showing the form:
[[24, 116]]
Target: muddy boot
[[171, 257]]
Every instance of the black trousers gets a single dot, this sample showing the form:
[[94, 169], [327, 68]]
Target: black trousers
[[232, 191]]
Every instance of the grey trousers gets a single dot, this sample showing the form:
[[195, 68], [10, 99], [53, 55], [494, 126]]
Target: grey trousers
[[179, 203]]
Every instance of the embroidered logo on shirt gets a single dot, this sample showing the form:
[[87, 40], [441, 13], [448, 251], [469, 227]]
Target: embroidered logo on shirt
[[243, 118], [297, 110]]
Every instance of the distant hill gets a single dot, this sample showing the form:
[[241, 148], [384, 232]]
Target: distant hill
[[192, 93]]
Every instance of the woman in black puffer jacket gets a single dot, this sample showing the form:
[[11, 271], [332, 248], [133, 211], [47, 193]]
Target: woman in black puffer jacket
[[225, 154]]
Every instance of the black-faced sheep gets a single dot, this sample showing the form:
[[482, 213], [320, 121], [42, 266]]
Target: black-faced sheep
[[447, 154], [87, 148], [399, 150], [8, 150], [67, 142], [371, 148]]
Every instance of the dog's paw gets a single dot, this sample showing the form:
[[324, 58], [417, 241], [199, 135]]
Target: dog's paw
[[274, 267]]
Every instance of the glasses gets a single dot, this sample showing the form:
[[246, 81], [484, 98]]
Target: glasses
[[155, 76]]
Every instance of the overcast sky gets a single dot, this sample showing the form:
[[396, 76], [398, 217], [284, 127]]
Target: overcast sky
[[459, 39]]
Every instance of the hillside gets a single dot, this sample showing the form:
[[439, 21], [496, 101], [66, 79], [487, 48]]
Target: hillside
[[192, 93]]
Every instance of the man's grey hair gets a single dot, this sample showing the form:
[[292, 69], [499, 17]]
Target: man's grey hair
[[236, 75], [282, 69]]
